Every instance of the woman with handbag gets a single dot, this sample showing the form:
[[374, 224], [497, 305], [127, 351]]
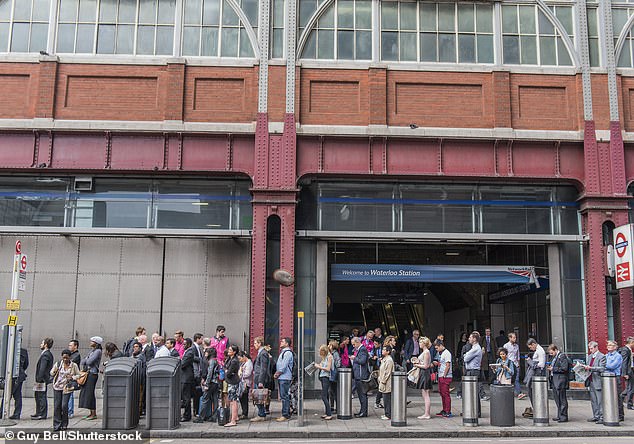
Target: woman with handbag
[[504, 368], [324, 368], [424, 384], [65, 374], [333, 346], [232, 366], [90, 364]]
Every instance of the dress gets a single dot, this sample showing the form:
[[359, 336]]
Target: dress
[[424, 381]]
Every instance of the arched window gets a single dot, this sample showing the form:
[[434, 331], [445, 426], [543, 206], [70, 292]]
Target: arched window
[[531, 38], [138, 27], [213, 28], [24, 25], [622, 24]]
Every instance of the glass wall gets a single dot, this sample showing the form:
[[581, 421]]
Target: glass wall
[[126, 203], [24, 25], [573, 298], [438, 208]]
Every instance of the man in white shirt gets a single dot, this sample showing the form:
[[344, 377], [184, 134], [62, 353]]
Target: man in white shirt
[[162, 350], [513, 352], [537, 362]]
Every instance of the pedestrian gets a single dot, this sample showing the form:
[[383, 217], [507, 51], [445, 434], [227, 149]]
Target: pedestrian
[[324, 367], [112, 351], [458, 357], [424, 383], [210, 386], [513, 352], [535, 366], [187, 379], [200, 370], [90, 363], [16, 387], [595, 364], [170, 344], [127, 346], [500, 340], [628, 374], [179, 342], [378, 335], [63, 373], [75, 357], [232, 367], [411, 349], [386, 370], [246, 382], [284, 376], [220, 342], [141, 357], [343, 352], [261, 376], [613, 364], [488, 345], [360, 372], [42, 379], [333, 346], [559, 370], [444, 377], [473, 361], [375, 358], [161, 350], [504, 368]]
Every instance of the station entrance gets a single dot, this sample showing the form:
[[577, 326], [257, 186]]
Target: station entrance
[[451, 302]]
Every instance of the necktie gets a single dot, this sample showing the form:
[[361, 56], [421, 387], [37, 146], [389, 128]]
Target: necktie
[[591, 364]]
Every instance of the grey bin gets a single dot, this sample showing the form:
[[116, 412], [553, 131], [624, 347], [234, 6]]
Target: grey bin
[[163, 395], [121, 394], [502, 405]]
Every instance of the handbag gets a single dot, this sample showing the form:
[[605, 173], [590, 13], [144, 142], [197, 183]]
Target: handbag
[[260, 396], [413, 375], [371, 383], [83, 377]]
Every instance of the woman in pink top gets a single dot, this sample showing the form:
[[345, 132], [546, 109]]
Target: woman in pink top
[[343, 352]]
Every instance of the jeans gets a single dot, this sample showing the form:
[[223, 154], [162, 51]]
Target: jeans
[[325, 386], [387, 402], [518, 389], [60, 409], [284, 387], [332, 393], [208, 403], [443, 388], [261, 410], [71, 404]]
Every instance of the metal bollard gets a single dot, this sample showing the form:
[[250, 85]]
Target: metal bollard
[[470, 401], [344, 393], [610, 399], [399, 399], [540, 401]]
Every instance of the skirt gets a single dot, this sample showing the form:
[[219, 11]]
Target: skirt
[[87, 398], [424, 381]]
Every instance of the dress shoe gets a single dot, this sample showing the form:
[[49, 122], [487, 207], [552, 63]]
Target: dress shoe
[[630, 407], [360, 415], [563, 420], [185, 419], [599, 421], [556, 419], [14, 417], [38, 418], [34, 416]]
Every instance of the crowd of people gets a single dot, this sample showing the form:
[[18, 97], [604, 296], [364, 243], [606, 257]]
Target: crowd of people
[[218, 380]]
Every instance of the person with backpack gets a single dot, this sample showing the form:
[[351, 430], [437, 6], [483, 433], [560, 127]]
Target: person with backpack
[[261, 376], [285, 368], [211, 389]]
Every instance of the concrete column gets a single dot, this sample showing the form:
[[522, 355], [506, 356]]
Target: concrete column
[[321, 293], [556, 295]]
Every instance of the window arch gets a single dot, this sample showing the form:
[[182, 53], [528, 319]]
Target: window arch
[[622, 21], [24, 25], [439, 32], [220, 28]]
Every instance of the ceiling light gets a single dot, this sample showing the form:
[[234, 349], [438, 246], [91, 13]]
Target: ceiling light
[[200, 204], [452, 253]]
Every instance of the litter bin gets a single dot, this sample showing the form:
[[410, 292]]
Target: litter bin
[[502, 405], [121, 394], [470, 401], [163, 395], [610, 399], [399, 399], [344, 393]]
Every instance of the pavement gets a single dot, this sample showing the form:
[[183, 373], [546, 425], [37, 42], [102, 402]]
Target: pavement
[[370, 427]]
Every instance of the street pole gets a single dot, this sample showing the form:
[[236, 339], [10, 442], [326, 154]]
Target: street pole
[[8, 380], [300, 369]]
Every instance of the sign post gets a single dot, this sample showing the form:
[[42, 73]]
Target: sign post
[[300, 368], [623, 257], [17, 284]]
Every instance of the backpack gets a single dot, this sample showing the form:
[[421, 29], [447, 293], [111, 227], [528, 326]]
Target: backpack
[[127, 347], [294, 368]]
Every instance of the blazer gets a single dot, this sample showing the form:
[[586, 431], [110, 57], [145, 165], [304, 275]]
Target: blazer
[[232, 365], [598, 367], [360, 368], [560, 370], [43, 368], [187, 366], [408, 350], [174, 353], [24, 364], [626, 366], [261, 369]]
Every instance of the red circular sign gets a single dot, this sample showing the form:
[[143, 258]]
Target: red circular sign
[[620, 245], [23, 263], [18, 247]]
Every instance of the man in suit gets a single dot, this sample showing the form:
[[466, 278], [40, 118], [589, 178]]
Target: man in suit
[[411, 349], [628, 374], [200, 370], [43, 378], [488, 344], [187, 378], [559, 369], [595, 363], [170, 344], [360, 372], [16, 387]]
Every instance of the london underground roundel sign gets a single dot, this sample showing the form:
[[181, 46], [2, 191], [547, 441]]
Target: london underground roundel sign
[[620, 244], [623, 259]]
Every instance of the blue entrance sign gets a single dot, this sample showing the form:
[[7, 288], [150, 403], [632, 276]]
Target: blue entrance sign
[[433, 273]]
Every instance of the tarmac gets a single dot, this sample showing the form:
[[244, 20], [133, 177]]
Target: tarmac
[[370, 427]]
